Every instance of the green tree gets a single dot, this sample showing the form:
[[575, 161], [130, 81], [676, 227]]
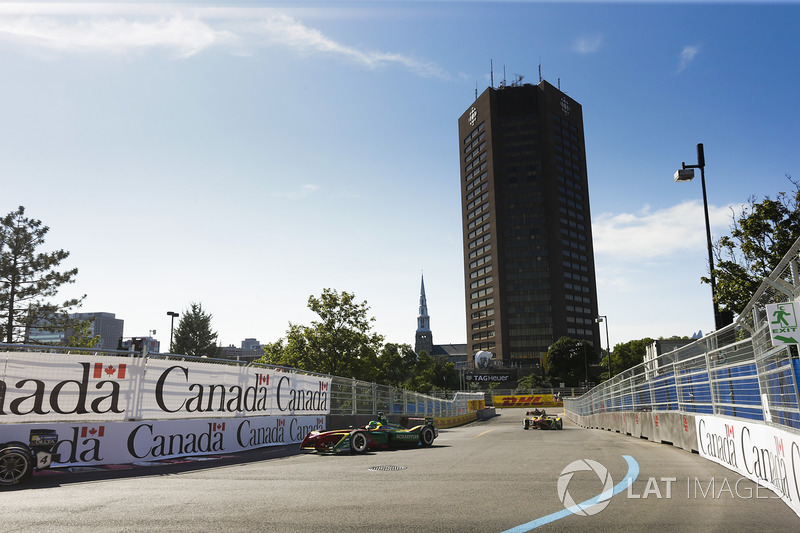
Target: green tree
[[432, 373], [532, 381], [396, 363], [628, 354], [759, 238], [340, 343], [28, 278], [568, 360], [194, 336], [81, 335]]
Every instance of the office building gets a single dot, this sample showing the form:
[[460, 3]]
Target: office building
[[528, 256], [105, 325]]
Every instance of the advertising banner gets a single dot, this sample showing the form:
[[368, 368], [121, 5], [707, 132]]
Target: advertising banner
[[764, 454], [40, 387], [536, 400], [495, 377], [108, 443], [476, 405], [43, 386]]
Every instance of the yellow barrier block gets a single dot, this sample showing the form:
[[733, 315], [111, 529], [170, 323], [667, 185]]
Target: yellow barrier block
[[453, 421]]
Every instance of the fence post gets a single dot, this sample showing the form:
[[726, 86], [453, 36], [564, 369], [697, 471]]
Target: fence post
[[353, 394]]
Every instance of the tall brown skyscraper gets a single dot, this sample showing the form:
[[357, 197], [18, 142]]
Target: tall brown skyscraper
[[528, 256]]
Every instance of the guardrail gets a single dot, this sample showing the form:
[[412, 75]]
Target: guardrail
[[735, 371], [347, 396]]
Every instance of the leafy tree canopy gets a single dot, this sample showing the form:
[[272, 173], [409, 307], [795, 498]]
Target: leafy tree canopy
[[194, 336], [628, 354], [760, 237], [432, 373], [81, 335], [568, 360], [29, 278], [532, 381], [397, 364], [341, 342]]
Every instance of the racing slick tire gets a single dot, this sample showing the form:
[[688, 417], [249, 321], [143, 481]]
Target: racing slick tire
[[526, 424], [358, 442], [16, 463], [426, 436], [559, 424]]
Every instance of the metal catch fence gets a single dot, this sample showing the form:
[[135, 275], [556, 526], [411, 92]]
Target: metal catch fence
[[735, 371]]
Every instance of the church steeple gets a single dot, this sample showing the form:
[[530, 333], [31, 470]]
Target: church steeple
[[424, 337]]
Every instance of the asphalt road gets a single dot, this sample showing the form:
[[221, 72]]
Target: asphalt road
[[489, 476]]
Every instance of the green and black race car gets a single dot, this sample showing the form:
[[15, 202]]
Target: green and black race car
[[378, 434]]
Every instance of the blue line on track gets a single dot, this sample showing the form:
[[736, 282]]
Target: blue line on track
[[630, 477]]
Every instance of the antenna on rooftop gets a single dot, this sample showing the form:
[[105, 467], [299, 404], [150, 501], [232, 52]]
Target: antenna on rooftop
[[540, 70], [476, 90], [491, 72]]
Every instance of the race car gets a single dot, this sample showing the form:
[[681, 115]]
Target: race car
[[542, 422], [18, 460], [536, 412], [378, 434]]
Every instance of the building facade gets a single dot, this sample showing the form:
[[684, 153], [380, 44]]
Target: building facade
[[106, 325], [250, 350], [528, 256]]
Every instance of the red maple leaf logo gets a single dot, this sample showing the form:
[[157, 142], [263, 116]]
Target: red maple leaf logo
[[93, 431], [110, 370]]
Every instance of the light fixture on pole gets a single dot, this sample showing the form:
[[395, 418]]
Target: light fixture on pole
[[686, 173], [172, 314], [604, 320]]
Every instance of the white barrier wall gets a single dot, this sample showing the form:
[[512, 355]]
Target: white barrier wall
[[109, 410], [108, 443], [40, 387], [765, 454]]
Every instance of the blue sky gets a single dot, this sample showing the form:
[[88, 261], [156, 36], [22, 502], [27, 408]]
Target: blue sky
[[248, 155]]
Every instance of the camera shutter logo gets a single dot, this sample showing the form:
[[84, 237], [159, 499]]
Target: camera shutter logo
[[594, 505]]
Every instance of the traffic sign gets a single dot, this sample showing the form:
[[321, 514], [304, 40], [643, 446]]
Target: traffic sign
[[783, 322]]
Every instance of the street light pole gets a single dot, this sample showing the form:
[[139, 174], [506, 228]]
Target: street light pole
[[585, 363], [604, 320], [686, 174], [172, 314]]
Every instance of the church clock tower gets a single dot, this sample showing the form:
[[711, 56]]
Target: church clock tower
[[424, 338]]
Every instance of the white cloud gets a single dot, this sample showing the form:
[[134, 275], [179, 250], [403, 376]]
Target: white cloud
[[286, 31], [588, 45], [649, 266], [118, 28], [304, 191], [650, 235], [184, 36], [687, 56]]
